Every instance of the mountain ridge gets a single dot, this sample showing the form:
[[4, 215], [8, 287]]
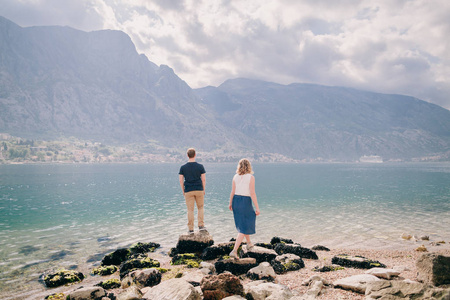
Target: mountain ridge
[[58, 81]]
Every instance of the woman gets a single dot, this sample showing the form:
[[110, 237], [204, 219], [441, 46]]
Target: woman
[[241, 198]]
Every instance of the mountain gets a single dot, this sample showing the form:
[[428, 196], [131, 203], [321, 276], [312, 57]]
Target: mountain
[[60, 82], [305, 120]]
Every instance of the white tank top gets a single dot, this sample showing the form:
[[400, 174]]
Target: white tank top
[[242, 183]]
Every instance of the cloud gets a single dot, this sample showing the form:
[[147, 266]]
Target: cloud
[[389, 46]]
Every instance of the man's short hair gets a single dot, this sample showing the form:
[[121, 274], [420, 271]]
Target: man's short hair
[[191, 152]]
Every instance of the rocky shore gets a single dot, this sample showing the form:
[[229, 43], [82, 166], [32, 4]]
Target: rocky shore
[[198, 268]]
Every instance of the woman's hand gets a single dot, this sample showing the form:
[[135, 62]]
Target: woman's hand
[[230, 207], [257, 212]]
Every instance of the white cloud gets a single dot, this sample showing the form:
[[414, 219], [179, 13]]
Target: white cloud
[[391, 46]]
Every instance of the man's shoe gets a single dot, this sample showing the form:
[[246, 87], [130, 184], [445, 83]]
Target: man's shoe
[[202, 228], [191, 232]]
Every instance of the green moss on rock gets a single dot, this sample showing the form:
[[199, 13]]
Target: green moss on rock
[[105, 270], [189, 259], [110, 284], [62, 277]]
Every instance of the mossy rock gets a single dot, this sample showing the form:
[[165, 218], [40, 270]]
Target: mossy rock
[[62, 277], [357, 261], [191, 260], [215, 251], [58, 296], [264, 245], [116, 258], [277, 240], [296, 249], [109, 284], [328, 268], [286, 263], [141, 248], [142, 262], [105, 270]]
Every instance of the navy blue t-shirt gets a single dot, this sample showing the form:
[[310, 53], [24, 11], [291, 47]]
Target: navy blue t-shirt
[[192, 172]]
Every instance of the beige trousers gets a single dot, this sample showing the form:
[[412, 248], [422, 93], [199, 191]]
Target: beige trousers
[[192, 198]]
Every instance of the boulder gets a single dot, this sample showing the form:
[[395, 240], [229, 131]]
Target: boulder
[[171, 289], [209, 267], [328, 268], [434, 269], [259, 253], [191, 260], [314, 278], [276, 240], [264, 245], [215, 251], [262, 272], [234, 297], [261, 290], [287, 262], [116, 258], [320, 248], [197, 242], [62, 277], [110, 284], [142, 248], [394, 289], [140, 262], [358, 262], [193, 277], [235, 266], [142, 278], [131, 293], [87, 293], [221, 286], [295, 249], [105, 270], [383, 273], [356, 283]]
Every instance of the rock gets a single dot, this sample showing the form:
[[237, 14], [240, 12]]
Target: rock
[[425, 238], [262, 272], [295, 249], [328, 268], [62, 277], [406, 236], [287, 262], [235, 297], [394, 290], [356, 283], [131, 293], [358, 262], [142, 278], [215, 251], [105, 270], [314, 290], [193, 277], [221, 286], [383, 273], [320, 248], [87, 293], [116, 258], [261, 290], [189, 259], [264, 245], [434, 269], [209, 266], [142, 248], [277, 240], [259, 253], [197, 242], [235, 266], [171, 289], [140, 262], [110, 284], [422, 249], [314, 278]]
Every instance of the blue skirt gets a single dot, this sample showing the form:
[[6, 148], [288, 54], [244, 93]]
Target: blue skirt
[[244, 215]]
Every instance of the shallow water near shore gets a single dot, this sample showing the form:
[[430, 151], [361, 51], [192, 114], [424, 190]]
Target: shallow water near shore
[[69, 216]]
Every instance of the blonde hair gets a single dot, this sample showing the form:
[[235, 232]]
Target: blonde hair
[[191, 152], [244, 167]]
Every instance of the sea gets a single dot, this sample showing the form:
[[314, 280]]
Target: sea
[[69, 216]]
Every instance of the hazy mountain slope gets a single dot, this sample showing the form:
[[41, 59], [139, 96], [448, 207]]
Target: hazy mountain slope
[[58, 81], [303, 120]]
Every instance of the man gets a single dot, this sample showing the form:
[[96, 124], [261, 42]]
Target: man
[[193, 182]]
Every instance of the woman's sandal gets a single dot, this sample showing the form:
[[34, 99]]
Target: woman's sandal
[[234, 255], [250, 247]]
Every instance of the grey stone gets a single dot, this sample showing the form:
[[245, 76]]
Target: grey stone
[[87, 293], [171, 289], [142, 278], [194, 243], [287, 262], [261, 290], [383, 273], [235, 266], [356, 283], [262, 272], [261, 254], [131, 293], [394, 290], [434, 269]]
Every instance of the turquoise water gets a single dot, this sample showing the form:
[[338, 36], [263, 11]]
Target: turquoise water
[[69, 216]]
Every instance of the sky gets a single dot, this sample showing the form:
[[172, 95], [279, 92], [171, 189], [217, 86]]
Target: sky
[[385, 46]]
